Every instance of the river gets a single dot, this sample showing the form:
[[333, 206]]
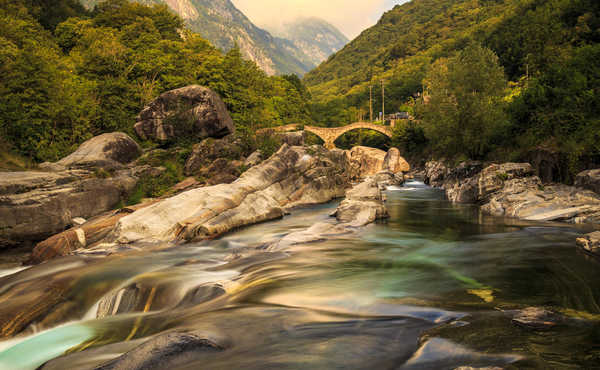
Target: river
[[433, 287]]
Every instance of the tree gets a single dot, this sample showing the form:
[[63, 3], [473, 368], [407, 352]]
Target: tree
[[463, 109]]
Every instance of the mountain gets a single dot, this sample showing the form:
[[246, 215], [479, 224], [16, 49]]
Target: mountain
[[220, 22], [315, 37], [549, 51], [409, 37]]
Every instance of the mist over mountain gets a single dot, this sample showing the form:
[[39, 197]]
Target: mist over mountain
[[315, 37]]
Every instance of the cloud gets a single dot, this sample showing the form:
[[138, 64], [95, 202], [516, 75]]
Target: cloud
[[350, 16]]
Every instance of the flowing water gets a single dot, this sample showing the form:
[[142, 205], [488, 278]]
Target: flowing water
[[433, 287]]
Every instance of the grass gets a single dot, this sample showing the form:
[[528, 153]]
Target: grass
[[156, 186]]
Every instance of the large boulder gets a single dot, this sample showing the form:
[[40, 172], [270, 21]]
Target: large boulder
[[590, 243], [164, 351], [363, 204], [194, 112], [367, 161], [294, 176], [109, 151], [589, 180], [394, 162], [35, 205]]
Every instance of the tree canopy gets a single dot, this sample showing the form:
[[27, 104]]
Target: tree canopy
[[93, 73]]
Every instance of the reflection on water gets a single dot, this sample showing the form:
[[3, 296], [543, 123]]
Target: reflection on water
[[429, 288]]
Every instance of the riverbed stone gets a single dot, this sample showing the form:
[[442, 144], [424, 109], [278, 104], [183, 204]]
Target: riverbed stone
[[590, 243], [164, 351], [513, 190], [536, 318], [192, 111], [394, 162], [366, 161]]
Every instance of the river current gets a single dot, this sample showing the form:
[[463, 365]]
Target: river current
[[433, 287]]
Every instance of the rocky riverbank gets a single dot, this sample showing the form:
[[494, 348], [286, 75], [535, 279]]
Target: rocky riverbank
[[513, 190], [76, 204], [293, 177]]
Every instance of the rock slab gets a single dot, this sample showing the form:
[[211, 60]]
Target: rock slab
[[513, 190], [294, 176]]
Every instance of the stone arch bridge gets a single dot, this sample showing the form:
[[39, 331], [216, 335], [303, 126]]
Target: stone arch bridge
[[330, 134]]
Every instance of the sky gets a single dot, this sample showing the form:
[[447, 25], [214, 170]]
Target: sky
[[350, 16]]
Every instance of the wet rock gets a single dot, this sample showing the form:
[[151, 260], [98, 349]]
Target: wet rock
[[164, 351], [590, 243], [367, 161], [536, 318], [80, 236], [292, 177], [513, 190], [201, 295], [316, 233], [123, 301], [394, 162], [363, 204], [109, 151], [589, 180], [385, 179], [192, 111], [254, 159]]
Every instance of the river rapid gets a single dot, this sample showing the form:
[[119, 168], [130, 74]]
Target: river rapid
[[433, 287]]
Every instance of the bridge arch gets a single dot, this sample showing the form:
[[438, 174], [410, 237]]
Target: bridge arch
[[330, 134]]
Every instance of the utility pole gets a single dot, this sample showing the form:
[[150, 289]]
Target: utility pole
[[383, 100], [371, 102]]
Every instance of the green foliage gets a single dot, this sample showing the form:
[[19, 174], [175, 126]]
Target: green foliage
[[173, 161], [96, 72], [548, 48], [268, 143], [464, 112], [409, 137]]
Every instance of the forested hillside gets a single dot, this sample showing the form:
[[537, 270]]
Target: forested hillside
[[67, 75], [548, 51], [226, 27]]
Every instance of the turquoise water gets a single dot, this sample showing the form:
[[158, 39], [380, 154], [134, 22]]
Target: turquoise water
[[435, 286]]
